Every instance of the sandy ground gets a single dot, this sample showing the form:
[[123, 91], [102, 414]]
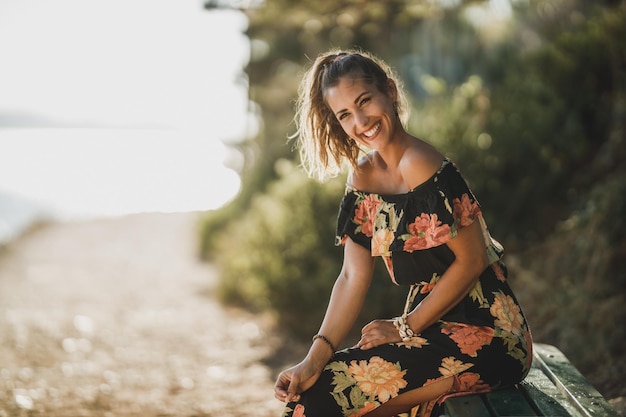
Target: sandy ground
[[115, 317]]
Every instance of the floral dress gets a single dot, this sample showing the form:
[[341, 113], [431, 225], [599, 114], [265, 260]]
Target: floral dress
[[483, 342]]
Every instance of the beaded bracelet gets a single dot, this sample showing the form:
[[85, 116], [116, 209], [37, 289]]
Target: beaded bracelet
[[325, 339]]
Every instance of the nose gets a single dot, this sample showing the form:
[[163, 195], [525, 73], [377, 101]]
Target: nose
[[360, 119]]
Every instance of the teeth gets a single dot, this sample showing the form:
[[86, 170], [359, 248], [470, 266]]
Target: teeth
[[372, 131]]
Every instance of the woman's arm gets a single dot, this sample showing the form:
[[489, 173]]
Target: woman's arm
[[456, 282], [345, 303], [348, 293]]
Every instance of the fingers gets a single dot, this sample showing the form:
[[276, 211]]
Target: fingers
[[286, 388], [369, 336], [376, 333], [285, 395], [292, 392], [370, 340], [281, 388]]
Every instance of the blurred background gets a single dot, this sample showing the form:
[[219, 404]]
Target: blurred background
[[109, 109]]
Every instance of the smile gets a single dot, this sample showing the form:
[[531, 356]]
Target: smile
[[372, 131]]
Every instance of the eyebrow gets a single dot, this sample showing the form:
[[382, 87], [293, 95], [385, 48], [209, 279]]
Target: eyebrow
[[356, 100]]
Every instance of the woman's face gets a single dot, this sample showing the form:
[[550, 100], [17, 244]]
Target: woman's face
[[366, 114]]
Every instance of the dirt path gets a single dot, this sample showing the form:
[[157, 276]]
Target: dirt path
[[116, 317]]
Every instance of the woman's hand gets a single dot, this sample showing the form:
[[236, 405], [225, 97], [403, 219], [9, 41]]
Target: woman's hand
[[378, 332], [291, 382]]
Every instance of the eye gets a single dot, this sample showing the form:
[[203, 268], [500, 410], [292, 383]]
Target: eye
[[364, 100], [342, 116]]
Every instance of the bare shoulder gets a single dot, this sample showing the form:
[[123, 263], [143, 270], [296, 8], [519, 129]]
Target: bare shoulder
[[362, 177], [419, 163]]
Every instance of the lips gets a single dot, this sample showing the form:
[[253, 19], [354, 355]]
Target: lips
[[368, 134]]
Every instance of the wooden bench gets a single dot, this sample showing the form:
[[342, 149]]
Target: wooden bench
[[553, 388]]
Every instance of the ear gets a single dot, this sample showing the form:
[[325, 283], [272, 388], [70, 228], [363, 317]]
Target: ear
[[392, 89]]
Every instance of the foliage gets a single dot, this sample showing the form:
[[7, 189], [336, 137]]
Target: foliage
[[551, 116]]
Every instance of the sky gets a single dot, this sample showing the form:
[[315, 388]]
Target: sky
[[110, 107]]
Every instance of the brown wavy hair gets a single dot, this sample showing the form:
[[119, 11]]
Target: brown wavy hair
[[322, 142]]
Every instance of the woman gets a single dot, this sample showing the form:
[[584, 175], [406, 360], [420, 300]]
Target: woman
[[461, 329]]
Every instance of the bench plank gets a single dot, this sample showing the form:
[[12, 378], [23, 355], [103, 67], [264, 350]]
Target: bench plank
[[509, 402], [553, 388], [571, 382], [466, 406], [548, 400]]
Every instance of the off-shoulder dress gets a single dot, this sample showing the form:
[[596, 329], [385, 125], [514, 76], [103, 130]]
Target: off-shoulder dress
[[484, 342]]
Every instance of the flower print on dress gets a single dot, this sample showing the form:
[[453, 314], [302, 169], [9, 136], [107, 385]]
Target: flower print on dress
[[426, 287], [378, 378], [381, 240], [298, 411], [511, 327], [414, 342], [365, 384], [425, 232], [497, 269], [365, 214], [470, 339], [464, 381], [478, 295], [470, 381], [452, 366], [465, 210], [386, 223], [389, 264], [378, 220], [507, 313], [346, 392]]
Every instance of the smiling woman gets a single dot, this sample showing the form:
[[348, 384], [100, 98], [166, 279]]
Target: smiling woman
[[117, 107], [409, 205]]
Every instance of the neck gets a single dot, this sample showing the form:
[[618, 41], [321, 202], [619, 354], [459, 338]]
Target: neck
[[392, 152]]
